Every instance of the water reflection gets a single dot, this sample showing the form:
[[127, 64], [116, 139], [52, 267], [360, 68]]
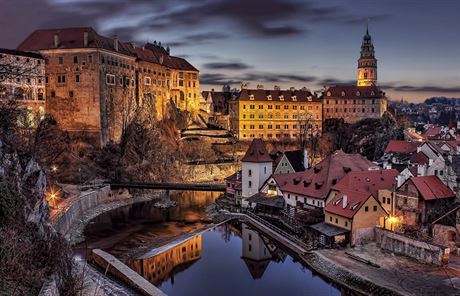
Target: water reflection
[[122, 231], [165, 264], [232, 259]]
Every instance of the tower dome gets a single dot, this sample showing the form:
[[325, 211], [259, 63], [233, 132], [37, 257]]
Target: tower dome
[[367, 63]]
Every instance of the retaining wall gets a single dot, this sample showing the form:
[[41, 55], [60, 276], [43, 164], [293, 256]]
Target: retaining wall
[[49, 288], [423, 252], [209, 172], [85, 201], [115, 267]]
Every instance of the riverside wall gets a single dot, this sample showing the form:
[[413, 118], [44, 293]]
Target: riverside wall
[[78, 205], [423, 252]]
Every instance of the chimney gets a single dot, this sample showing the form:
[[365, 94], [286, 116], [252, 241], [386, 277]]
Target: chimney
[[260, 86], [344, 201], [115, 42], [56, 40], [305, 158], [85, 39]]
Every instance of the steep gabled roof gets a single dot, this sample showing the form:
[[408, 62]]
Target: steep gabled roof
[[419, 158], [355, 200], [70, 38], [368, 181], [295, 158], [318, 180], [403, 147], [257, 152], [431, 188]]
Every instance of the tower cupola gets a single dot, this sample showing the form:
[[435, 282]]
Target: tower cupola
[[367, 63]]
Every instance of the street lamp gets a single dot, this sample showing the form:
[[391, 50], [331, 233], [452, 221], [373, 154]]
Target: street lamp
[[54, 168]]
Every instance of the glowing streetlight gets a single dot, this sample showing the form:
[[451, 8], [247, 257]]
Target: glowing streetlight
[[54, 168]]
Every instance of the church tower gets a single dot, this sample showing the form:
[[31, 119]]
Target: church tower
[[367, 63]]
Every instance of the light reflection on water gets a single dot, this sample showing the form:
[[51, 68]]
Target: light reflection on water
[[231, 259]]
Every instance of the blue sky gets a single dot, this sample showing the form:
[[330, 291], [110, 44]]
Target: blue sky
[[284, 42]]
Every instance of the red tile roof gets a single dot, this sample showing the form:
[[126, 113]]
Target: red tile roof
[[405, 147], [353, 92], [419, 158], [433, 132], [431, 188], [276, 95], [355, 200], [257, 152], [368, 181], [318, 180], [70, 38]]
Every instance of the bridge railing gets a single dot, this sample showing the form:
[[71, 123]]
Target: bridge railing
[[276, 229]]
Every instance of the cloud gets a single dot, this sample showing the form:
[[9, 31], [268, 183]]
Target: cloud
[[217, 79], [227, 66], [257, 77], [198, 39], [421, 89]]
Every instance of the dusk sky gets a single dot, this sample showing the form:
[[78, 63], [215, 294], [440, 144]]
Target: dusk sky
[[283, 42]]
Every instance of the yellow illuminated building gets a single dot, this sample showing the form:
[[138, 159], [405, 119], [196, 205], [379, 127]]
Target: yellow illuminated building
[[280, 115]]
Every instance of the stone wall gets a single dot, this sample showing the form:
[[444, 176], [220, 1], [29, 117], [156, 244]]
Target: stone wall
[[79, 205], [49, 288], [209, 172], [421, 251]]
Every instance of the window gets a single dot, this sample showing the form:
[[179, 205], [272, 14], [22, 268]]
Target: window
[[375, 208], [61, 78], [53, 94], [250, 184], [366, 209], [61, 60], [346, 223], [251, 107], [90, 59], [147, 80], [77, 78], [250, 237], [265, 170], [277, 107], [330, 218], [336, 221], [110, 79], [250, 247], [388, 200], [261, 107], [75, 59], [250, 173], [71, 94]]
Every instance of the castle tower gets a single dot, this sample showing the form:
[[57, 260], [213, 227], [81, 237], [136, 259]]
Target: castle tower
[[367, 63]]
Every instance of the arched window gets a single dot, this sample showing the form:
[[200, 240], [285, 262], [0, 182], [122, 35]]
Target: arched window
[[343, 93], [358, 93], [328, 93]]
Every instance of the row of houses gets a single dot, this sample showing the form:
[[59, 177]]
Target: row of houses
[[343, 198]]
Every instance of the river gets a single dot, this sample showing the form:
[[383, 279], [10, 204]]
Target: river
[[230, 259]]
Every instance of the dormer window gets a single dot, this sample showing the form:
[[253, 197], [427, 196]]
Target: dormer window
[[328, 93], [358, 93], [251, 97], [269, 97], [372, 93], [294, 98], [343, 93], [281, 98]]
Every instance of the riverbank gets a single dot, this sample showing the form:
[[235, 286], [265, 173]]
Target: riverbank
[[397, 274], [76, 231]]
